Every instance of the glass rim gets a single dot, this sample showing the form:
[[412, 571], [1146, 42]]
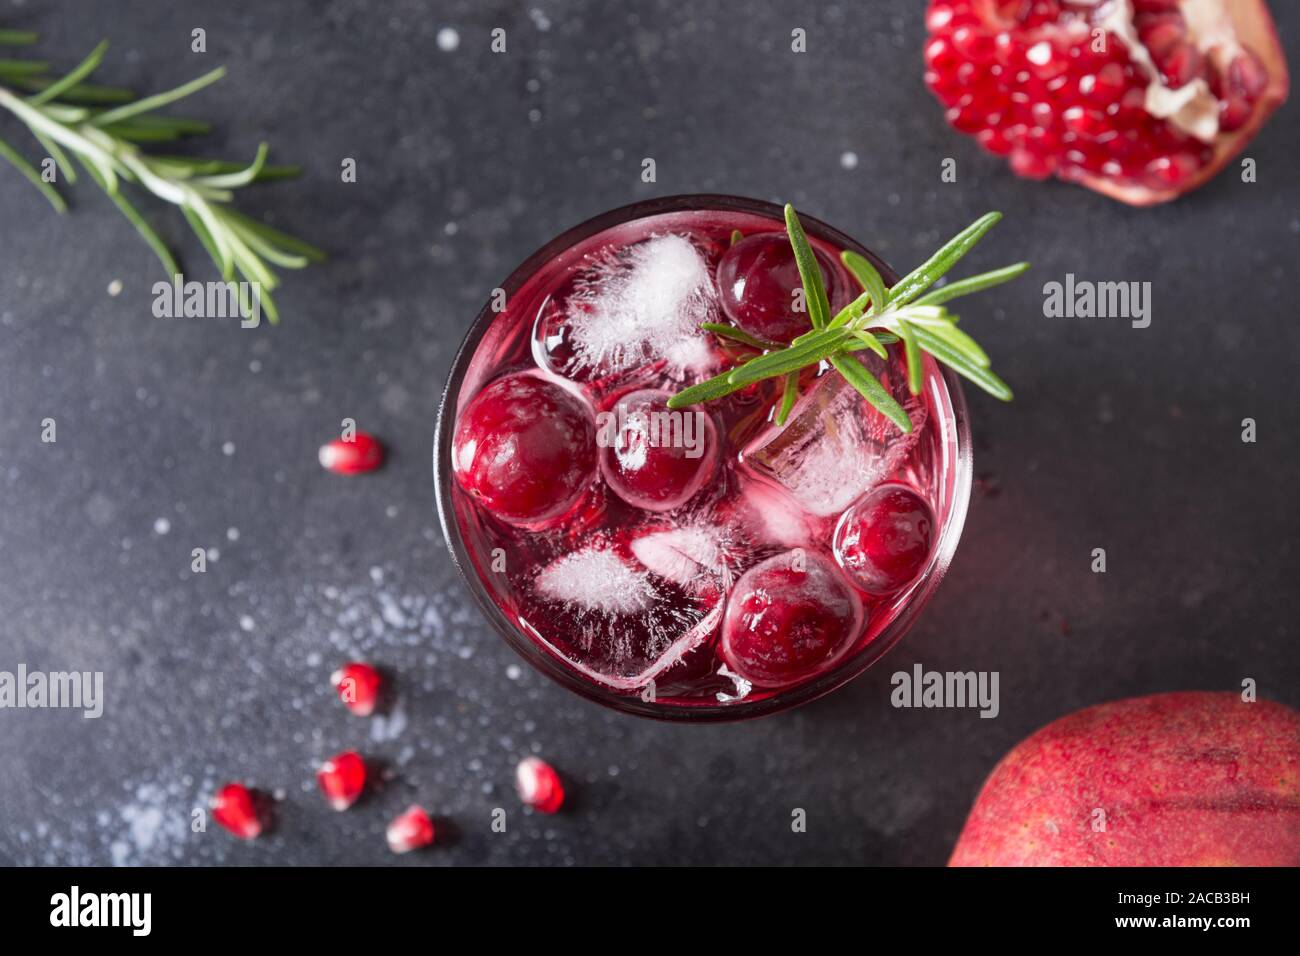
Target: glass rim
[[846, 670]]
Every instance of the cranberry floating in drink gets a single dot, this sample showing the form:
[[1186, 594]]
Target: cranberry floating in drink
[[701, 464]]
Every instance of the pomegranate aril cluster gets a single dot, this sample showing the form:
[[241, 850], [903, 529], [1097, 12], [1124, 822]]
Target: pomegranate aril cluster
[[1034, 88]]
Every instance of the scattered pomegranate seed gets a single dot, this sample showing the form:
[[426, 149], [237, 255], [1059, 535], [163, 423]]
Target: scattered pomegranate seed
[[410, 830], [363, 453], [342, 778], [358, 686], [539, 785], [235, 809]]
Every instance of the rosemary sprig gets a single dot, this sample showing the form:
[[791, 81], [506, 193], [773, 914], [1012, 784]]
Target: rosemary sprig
[[102, 127], [879, 317]]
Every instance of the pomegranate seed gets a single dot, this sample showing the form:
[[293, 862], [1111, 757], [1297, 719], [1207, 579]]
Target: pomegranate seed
[[539, 785], [941, 16], [1045, 60], [994, 141], [1246, 75], [410, 830], [974, 44], [1086, 122], [362, 453], [1161, 33], [1182, 66], [358, 687], [1234, 113], [1172, 170], [235, 809], [342, 778], [1029, 165], [940, 55]]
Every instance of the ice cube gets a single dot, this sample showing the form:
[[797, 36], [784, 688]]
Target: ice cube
[[619, 621], [639, 305], [596, 579], [835, 445]]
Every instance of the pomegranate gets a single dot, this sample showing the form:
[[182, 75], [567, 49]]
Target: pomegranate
[[1193, 778], [653, 457], [1142, 100], [789, 617], [526, 449]]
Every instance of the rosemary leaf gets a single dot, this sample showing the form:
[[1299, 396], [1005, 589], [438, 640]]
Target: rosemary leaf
[[159, 100], [871, 342], [21, 68], [739, 335], [925, 275], [75, 76], [856, 374], [56, 153], [145, 230], [963, 343], [33, 176], [789, 395], [706, 391], [868, 277], [810, 273], [977, 283], [913, 354], [962, 365], [281, 240], [810, 352], [17, 38], [850, 312], [79, 93]]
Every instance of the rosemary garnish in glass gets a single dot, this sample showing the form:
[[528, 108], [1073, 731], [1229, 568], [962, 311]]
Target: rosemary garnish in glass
[[878, 317]]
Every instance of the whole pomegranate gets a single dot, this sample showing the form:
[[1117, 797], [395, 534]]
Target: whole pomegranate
[[1184, 779], [1142, 100]]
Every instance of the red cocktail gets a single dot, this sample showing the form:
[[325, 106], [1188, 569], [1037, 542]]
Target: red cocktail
[[699, 561]]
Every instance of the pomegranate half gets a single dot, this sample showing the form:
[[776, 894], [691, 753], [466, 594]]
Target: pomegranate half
[[1142, 100]]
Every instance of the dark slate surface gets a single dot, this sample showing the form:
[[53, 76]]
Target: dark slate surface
[[1120, 438]]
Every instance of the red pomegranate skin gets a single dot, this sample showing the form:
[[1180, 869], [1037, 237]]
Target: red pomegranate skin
[[1183, 779], [525, 448]]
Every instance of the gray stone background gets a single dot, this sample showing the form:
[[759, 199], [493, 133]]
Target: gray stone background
[[1119, 438]]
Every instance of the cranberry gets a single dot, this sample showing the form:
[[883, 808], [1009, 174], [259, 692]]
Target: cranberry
[[358, 687], [539, 785], [525, 449], [342, 778], [884, 540], [410, 830], [352, 456], [235, 808], [655, 457], [789, 618], [757, 278]]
